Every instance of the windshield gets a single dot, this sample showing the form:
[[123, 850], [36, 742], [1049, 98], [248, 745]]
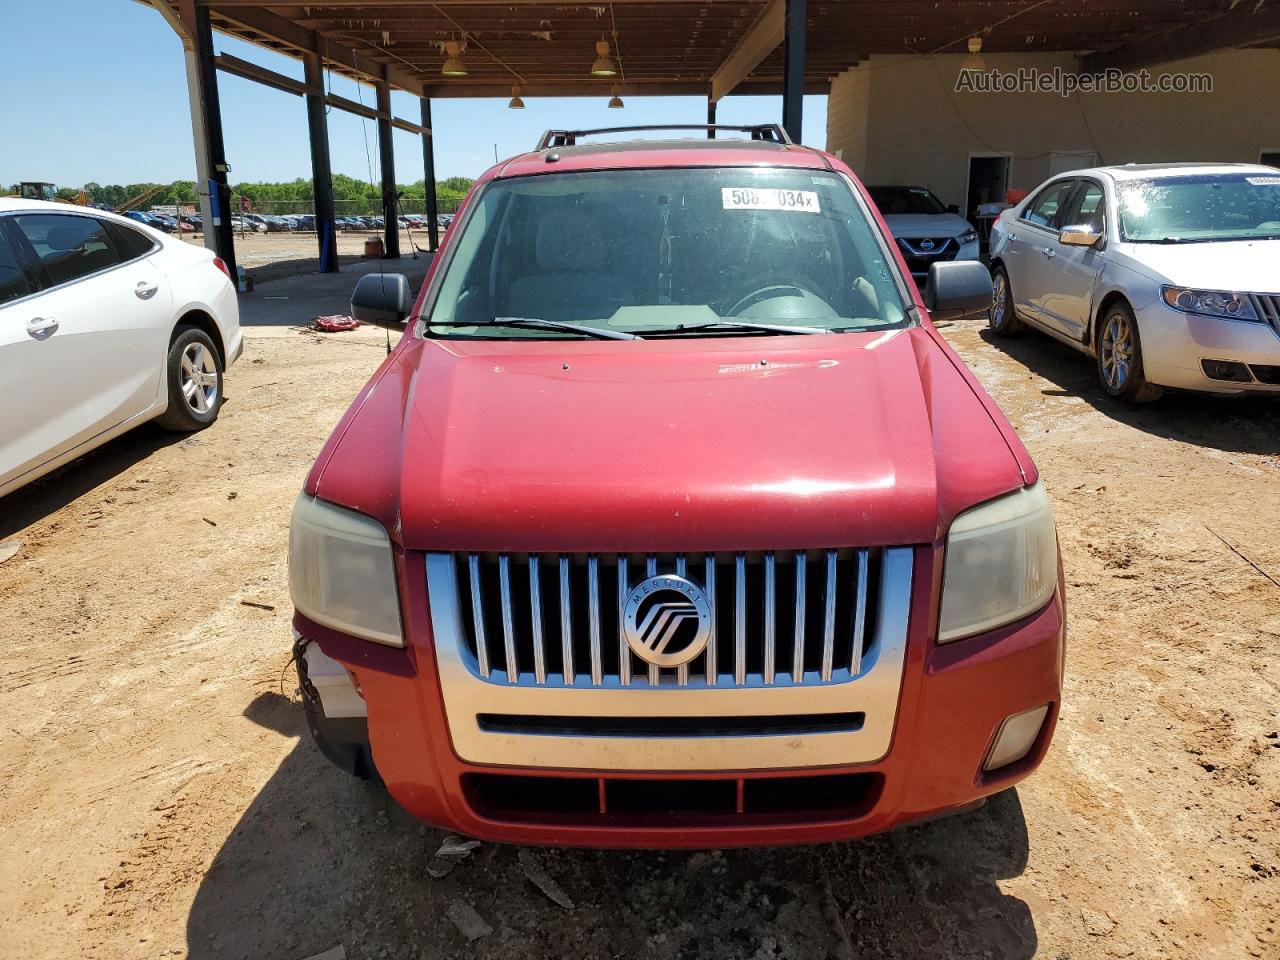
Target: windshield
[[894, 200], [1236, 206], [702, 251]]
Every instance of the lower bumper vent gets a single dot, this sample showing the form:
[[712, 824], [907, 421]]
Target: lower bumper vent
[[650, 803]]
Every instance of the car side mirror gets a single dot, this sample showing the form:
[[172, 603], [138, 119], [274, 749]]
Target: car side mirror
[[953, 208], [382, 298], [957, 289], [1079, 235]]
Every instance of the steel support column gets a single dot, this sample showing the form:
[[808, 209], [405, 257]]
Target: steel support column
[[321, 177], [711, 118], [386, 151], [216, 157], [793, 45], [429, 176]]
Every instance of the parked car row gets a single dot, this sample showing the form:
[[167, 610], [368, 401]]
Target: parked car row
[[272, 223]]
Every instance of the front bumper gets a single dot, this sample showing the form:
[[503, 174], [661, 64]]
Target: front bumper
[[1176, 347], [951, 705]]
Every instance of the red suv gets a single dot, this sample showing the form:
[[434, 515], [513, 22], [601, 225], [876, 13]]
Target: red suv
[[672, 521]]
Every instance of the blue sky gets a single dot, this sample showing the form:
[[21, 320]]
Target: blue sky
[[108, 102]]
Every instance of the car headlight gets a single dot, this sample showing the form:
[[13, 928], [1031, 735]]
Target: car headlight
[[968, 236], [1001, 564], [341, 571], [1213, 303]]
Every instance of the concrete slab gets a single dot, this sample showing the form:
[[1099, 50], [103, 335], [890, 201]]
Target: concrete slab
[[294, 301]]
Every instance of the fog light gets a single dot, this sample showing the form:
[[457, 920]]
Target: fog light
[[1016, 736]]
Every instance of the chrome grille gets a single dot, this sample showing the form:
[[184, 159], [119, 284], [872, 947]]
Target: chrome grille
[[793, 618], [1267, 307]]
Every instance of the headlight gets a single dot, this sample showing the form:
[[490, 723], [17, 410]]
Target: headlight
[[1001, 564], [1213, 303], [968, 236], [341, 572]]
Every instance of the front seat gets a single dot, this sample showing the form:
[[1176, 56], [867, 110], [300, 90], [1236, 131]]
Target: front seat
[[572, 282]]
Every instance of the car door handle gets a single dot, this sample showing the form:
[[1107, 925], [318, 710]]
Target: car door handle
[[145, 290], [42, 327]]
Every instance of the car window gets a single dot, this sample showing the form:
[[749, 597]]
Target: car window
[[1089, 209], [892, 201], [1048, 203], [649, 250], [1201, 207], [130, 243], [14, 282], [69, 246]]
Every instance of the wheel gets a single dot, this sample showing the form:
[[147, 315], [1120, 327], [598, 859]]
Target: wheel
[[1118, 349], [1001, 318], [194, 370]]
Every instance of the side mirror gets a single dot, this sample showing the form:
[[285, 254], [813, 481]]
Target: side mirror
[[957, 289], [382, 298], [1079, 235], [953, 208]]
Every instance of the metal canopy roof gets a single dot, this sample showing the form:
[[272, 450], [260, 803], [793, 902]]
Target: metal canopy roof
[[711, 46]]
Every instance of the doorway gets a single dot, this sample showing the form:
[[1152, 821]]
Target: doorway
[[1270, 158], [988, 183]]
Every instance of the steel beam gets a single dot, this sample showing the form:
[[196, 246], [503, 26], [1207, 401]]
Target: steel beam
[[711, 118], [793, 69], [760, 40], [210, 113], [321, 175], [386, 154], [429, 176]]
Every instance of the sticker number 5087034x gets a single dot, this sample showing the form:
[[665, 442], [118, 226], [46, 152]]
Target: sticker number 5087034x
[[751, 198]]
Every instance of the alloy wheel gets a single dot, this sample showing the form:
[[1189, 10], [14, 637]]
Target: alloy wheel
[[199, 377], [1117, 351], [999, 300]]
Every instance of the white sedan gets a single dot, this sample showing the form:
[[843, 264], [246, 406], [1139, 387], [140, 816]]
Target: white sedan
[[1167, 274], [104, 324]]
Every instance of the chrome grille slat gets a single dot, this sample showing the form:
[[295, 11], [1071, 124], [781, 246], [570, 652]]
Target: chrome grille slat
[[508, 625], [624, 651], [477, 614], [566, 623], [829, 619], [770, 614], [535, 617], [710, 669], [593, 595], [832, 594], [859, 613], [740, 619], [797, 659]]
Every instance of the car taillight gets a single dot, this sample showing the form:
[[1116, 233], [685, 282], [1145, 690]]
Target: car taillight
[[222, 265]]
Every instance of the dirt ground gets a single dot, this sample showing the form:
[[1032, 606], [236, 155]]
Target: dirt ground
[[159, 796]]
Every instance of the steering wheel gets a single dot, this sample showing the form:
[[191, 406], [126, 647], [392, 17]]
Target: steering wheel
[[791, 290]]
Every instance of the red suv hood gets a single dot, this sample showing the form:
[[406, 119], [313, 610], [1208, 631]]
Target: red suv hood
[[665, 445]]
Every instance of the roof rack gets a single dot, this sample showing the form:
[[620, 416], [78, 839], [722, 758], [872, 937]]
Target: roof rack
[[771, 132]]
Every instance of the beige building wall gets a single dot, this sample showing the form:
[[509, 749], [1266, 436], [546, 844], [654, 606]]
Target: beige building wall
[[898, 119]]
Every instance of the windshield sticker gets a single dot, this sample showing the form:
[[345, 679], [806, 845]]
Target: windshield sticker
[[1264, 181], [751, 198]]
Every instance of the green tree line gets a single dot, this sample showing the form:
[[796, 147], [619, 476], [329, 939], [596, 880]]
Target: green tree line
[[351, 195]]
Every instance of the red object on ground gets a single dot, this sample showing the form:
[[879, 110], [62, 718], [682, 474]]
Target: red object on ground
[[335, 323]]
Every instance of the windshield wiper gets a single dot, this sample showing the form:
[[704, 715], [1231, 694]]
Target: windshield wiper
[[740, 325], [535, 323]]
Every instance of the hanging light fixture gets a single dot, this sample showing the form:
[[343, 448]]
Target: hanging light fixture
[[603, 65], [453, 65], [974, 61], [615, 102], [515, 103]]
